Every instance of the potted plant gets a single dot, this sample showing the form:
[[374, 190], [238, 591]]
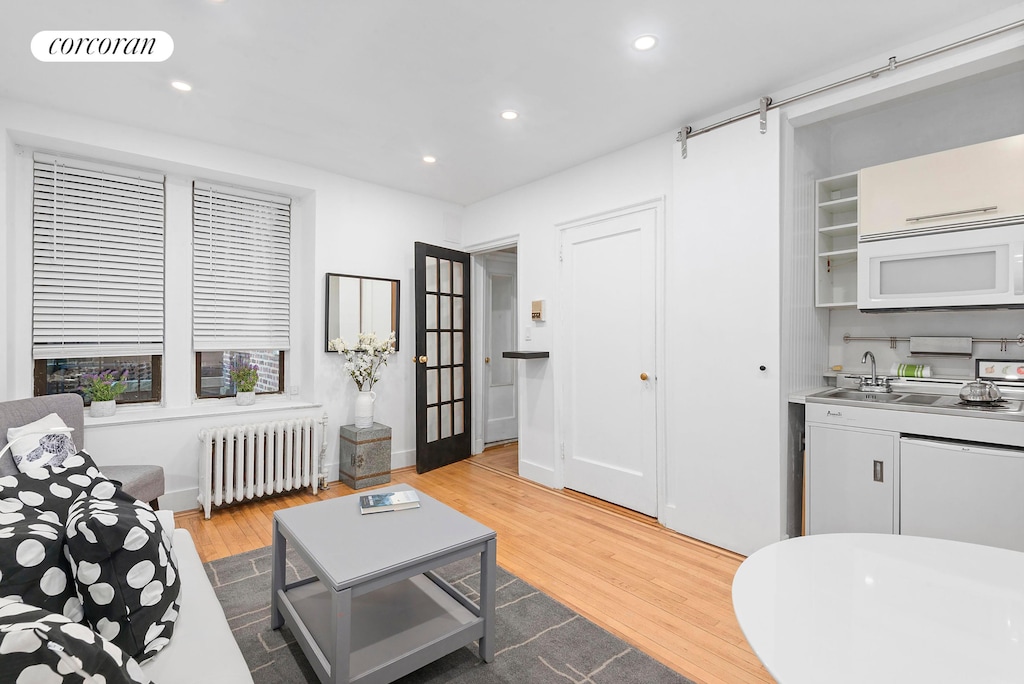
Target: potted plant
[[103, 389], [364, 363], [245, 376]]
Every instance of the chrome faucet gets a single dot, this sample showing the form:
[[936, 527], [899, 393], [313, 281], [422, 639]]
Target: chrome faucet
[[874, 377], [874, 383]]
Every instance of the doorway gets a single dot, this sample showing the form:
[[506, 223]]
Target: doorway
[[501, 420], [496, 431]]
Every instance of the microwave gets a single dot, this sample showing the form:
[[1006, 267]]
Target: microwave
[[980, 267]]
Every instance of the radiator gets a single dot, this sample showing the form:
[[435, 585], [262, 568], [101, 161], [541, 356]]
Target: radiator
[[244, 462]]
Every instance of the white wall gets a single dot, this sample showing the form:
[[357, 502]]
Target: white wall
[[636, 174], [339, 225]]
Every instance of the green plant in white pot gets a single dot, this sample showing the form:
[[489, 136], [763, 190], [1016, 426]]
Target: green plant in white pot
[[102, 390], [245, 376]]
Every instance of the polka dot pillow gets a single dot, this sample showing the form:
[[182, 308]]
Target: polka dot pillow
[[32, 567], [39, 647], [124, 570], [52, 488]]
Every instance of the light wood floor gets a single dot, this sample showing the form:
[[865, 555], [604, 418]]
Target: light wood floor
[[668, 595]]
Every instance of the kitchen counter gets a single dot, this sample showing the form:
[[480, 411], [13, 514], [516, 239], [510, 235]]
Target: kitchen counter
[[918, 414], [912, 401], [961, 425], [800, 396]]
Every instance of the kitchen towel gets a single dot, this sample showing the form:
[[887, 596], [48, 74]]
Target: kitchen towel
[[909, 370]]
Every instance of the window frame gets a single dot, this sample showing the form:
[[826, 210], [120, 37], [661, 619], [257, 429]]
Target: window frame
[[97, 264], [281, 353], [156, 388]]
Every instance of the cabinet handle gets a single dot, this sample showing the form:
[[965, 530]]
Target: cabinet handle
[[952, 213], [879, 472]]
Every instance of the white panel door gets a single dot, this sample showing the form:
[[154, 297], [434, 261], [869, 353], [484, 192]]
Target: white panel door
[[726, 465], [500, 335], [609, 413]]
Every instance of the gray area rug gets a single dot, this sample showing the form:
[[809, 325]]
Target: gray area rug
[[537, 640]]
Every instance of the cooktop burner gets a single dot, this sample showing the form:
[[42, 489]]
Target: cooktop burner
[[997, 405]]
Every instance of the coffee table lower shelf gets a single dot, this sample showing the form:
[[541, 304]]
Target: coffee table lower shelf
[[395, 629]]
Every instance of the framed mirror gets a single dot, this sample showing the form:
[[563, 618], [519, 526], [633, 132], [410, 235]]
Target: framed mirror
[[358, 304]]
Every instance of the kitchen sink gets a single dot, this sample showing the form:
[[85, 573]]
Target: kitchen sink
[[921, 399], [858, 395]]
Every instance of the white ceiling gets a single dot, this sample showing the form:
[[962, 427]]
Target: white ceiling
[[367, 87]]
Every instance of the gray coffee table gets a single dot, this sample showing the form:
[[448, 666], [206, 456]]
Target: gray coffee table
[[375, 611]]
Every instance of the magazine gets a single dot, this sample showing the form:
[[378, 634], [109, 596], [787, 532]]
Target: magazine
[[388, 501]]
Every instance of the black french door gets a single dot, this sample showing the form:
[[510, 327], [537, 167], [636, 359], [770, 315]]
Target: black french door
[[443, 414]]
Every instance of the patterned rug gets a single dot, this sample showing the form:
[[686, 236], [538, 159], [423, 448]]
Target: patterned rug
[[537, 639]]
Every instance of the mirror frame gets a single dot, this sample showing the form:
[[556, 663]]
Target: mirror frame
[[396, 300]]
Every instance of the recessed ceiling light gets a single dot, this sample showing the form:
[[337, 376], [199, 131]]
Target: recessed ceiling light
[[429, 159], [181, 85], [645, 42], [510, 115]]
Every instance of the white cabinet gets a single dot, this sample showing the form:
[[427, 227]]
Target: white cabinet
[[982, 182], [836, 225], [962, 491], [852, 480]]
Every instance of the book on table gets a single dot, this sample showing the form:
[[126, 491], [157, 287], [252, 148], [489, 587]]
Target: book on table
[[388, 501]]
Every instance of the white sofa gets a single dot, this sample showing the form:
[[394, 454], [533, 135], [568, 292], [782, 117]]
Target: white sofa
[[202, 648]]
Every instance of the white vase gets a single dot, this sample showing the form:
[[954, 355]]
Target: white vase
[[102, 409], [245, 398], [364, 408]]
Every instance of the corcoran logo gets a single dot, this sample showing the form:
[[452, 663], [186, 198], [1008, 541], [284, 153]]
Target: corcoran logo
[[102, 46]]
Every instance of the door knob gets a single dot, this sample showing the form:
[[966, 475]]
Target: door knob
[[643, 376], [423, 359], [487, 359]]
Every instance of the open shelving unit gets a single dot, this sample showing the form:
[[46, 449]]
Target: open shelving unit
[[836, 226]]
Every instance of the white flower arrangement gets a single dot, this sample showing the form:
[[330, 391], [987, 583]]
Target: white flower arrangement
[[365, 361]]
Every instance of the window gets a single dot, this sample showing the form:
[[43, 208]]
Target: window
[[240, 285], [97, 275], [213, 379], [141, 375]]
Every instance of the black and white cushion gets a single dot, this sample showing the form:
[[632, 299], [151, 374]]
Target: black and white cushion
[[33, 568], [40, 647], [52, 488], [44, 442], [124, 570]]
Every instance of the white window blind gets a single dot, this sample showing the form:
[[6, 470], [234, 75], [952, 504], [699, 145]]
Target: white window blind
[[98, 260], [240, 269]]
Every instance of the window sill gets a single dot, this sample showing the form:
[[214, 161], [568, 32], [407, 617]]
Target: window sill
[[201, 408]]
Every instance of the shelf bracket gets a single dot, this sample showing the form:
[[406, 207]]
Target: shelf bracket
[[681, 138], [765, 101]]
